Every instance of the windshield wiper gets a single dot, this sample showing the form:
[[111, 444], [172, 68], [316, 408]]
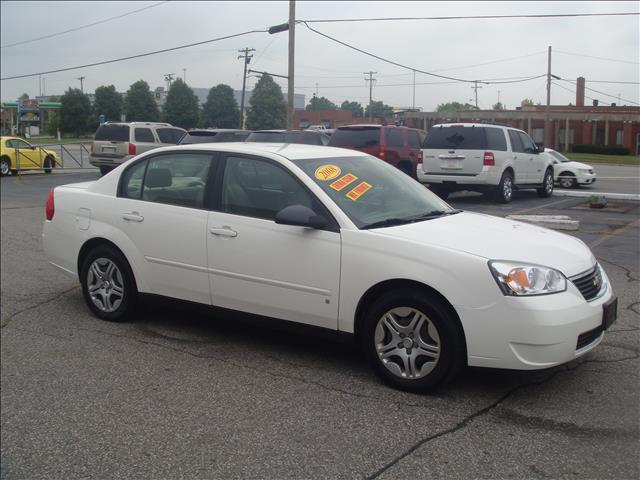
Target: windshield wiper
[[390, 222]]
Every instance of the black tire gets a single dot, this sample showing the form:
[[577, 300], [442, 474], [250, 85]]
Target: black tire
[[567, 180], [449, 338], [441, 191], [14, 172], [105, 170], [504, 191], [48, 164], [5, 166], [547, 185], [128, 300], [408, 168]]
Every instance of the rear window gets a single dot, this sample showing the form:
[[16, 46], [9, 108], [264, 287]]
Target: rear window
[[169, 135], [273, 137], [456, 137], [413, 139], [496, 140], [199, 137], [112, 133], [355, 137], [393, 137]]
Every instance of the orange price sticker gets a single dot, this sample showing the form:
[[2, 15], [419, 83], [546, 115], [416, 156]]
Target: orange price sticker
[[327, 172], [343, 181], [358, 191]]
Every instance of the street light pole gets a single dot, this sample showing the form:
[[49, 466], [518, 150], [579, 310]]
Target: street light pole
[[290, 74]]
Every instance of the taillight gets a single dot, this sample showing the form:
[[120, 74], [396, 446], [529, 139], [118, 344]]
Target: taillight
[[50, 208], [93, 148], [381, 153], [132, 149], [488, 159], [420, 156]]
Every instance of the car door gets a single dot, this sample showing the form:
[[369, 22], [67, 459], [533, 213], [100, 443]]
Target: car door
[[261, 267], [27, 155], [535, 161], [161, 209], [520, 158]]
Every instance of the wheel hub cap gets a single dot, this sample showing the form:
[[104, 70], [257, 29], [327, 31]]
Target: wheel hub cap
[[105, 285]]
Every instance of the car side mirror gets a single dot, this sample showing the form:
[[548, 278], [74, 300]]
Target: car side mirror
[[300, 216]]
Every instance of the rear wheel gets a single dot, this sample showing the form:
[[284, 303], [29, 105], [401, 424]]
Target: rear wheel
[[5, 166], [412, 340], [105, 170], [567, 180], [504, 191], [547, 185], [108, 285]]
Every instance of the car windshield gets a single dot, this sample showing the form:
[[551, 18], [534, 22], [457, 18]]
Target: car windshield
[[373, 193], [558, 156]]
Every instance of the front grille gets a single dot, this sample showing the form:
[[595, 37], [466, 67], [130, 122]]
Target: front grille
[[589, 283], [589, 337]]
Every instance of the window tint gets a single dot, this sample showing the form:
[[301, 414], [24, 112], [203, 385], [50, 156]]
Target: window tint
[[112, 133], [527, 143], [169, 135], [144, 135], [355, 137], [256, 188], [413, 139], [177, 179], [132, 181], [190, 138], [266, 137], [393, 137], [516, 143], [495, 139], [456, 137]]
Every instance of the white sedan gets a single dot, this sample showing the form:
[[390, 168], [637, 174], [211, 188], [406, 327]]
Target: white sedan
[[568, 173], [339, 242]]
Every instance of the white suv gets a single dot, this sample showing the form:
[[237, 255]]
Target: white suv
[[485, 158]]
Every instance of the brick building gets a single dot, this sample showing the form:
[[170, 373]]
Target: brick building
[[331, 118]]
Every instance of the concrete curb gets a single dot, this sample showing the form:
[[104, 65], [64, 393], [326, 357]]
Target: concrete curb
[[613, 196]]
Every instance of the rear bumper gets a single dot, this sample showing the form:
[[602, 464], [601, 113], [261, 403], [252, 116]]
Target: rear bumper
[[487, 176], [104, 161]]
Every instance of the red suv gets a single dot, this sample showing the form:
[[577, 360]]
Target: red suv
[[399, 146]]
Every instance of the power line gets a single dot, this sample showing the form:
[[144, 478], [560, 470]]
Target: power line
[[599, 58], [469, 17], [75, 29], [405, 66], [573, 91], [134, 56]]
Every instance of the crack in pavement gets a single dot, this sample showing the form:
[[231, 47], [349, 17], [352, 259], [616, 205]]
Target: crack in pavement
[[39, 304], [629, 273]]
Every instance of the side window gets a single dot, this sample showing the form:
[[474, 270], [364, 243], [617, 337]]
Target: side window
[[177, 179], [11, 144], [495, 139], [144, 135], [394, 137], [177, 135], [527, 143], [169, 135], [257, 188], [21, 144], [516, 143], [132, 181], [414, 139]]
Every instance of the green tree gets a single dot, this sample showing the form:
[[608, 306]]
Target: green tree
[[379, 109], [498, 106], [268, 108], [107, 102], [355, 107], [75, 112], [53, 122], [24, 96], [321, 103], [527, 102], [181, 108], [140, 104], [221, 109], [454, 107]]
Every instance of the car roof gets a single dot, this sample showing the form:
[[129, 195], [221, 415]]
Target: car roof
[[216, 130], [291, 151], [471, 124]]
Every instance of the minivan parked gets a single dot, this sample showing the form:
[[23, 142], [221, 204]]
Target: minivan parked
[[485, 158], [116, 142], [399, 146]]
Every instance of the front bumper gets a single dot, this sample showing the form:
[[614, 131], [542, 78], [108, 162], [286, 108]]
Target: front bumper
[[529, 333], [586, 178]]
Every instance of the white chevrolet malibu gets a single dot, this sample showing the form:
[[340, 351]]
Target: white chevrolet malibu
[[337, 241]]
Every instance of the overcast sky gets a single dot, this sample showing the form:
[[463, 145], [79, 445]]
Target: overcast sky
[[472, 49]]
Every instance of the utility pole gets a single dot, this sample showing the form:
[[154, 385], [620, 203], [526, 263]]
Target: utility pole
[[168, 77], [476, 87], [317, 89], [370, 80], [184, 75], [290, 73], [40, 84], [81, 84], [547, 112], [247, 59], [44, 86]]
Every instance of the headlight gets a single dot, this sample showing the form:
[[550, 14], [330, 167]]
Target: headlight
[[520, 279], [586, 170]]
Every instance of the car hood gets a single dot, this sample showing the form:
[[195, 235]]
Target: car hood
[[496, 238], [576, 165]]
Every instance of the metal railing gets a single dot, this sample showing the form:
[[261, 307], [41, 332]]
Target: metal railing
[[69, 155]]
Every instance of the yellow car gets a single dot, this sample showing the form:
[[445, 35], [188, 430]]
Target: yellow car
[[17, 154]]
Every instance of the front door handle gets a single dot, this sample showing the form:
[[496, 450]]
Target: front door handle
[[132, 217], [223, 231]]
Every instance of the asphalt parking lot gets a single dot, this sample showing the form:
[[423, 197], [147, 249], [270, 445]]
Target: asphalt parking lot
[[179, 394]]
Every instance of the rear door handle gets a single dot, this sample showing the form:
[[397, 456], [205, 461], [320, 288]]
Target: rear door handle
[[132, 217], [223, 231]]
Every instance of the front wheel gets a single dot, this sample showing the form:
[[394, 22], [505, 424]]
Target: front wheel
[[108, 284], [412, 340], [567, 180], [48, 165], [5, 166], [547, 185]]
